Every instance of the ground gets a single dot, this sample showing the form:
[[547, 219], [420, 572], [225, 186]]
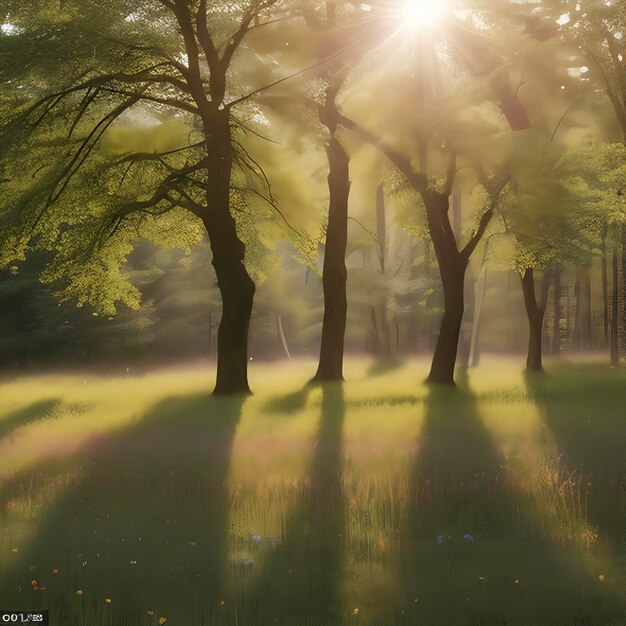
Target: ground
[[144, 500]]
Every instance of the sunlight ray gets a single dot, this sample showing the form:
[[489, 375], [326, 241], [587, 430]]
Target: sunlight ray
[[556, 492]]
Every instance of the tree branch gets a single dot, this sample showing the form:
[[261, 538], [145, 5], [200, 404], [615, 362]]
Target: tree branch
[[189, 203], [450, 174], [193, 74], [545, 286], [167, 4], [170, 102], [80, 156], [367, 230], [417, 180], [235, 40], [84, 105], [618, 105], [152, 156], [205, 39], [494, 188], [469, 248], [168, 184], [52, 100], [304, 70]]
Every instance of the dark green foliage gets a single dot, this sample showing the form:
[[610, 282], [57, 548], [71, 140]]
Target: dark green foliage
[[37, 329]]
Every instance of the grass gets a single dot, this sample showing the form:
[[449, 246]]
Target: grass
[[126, 501]]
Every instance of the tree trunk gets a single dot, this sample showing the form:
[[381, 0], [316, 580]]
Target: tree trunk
[[614, 312], [605, 296], [582, 319], [535, 311], [384, 345], [281, 335], [585, 285], [577, 343], [237, 289], [334, 274], [375, 335], [621, 298], [235, 285], [479, 297], [465, 339], [556, 322], [210, 331], [444, 359], [412, 323], [534, 361], [469, 295], [452, 262], [452, 266], [381, 227]]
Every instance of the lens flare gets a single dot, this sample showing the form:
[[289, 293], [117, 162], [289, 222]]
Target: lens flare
[[422, 14]]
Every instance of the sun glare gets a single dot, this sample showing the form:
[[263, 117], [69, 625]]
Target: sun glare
[[422, 14]]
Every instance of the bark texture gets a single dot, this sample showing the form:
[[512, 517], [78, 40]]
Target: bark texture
[[605, 294], [535, 310], [334, 273], [452, 267], [614, 311], [556, 320], [235, 285]]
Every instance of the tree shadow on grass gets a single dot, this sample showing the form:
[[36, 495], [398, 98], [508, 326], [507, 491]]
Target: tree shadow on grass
[[583, 407], [142, 522], [383, 366], [474, 548], [290, 403], [34, 412], [299, 580]]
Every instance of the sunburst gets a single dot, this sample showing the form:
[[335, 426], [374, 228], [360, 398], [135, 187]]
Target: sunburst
[[422, 14]]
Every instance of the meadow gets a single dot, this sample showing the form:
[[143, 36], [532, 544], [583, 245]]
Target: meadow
[[140, 500]]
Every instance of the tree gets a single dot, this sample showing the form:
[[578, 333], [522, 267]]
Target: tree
[[334, 273], [452, 260], [446, 127], [546, 232], [339, 34], [600, 171], [593, 31], [597, 28], [527, 112], [143, 59]]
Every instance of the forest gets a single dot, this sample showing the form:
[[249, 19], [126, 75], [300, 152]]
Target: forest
[[313, 312]]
